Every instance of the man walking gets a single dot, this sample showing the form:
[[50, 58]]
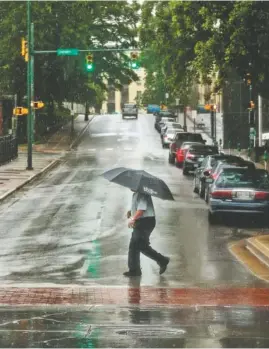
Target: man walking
[[143, 223]]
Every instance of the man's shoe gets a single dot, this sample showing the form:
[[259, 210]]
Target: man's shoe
[[163, 266], [132, 273]]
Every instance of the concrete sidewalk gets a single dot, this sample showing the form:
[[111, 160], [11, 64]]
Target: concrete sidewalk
[[14, 175]]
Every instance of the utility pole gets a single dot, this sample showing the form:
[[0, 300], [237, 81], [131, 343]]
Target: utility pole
[[260, 119], [30, 88]]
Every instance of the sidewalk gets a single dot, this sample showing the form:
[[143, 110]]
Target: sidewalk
[[14, 175]]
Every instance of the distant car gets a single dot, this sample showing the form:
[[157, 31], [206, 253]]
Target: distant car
[[153, 108], [195, 156], [180, 138], [169, 136], [239, 190], [129, 110], [159, 123], [170, 124], [217, 168], [164, 114], [204, 170]]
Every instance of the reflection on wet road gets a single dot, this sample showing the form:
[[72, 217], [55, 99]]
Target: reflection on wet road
[[51, 232], [70, 229]]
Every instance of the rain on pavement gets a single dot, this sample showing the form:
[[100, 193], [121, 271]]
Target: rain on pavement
[[70, 229]]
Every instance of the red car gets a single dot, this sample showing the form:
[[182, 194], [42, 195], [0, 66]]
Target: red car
[[182, 151], [175, 153]]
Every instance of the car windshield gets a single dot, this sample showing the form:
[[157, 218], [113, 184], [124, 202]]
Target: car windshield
[[129, 106], [243, 178], [225, 158]]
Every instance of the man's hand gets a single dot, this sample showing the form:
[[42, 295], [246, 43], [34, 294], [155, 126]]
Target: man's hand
[[128, 214], [131, 223]]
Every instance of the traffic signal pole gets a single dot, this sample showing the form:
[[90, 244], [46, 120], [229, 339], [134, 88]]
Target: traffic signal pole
[[30, 86]]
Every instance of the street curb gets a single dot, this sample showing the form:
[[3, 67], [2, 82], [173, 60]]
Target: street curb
[[49, 167], [77, 140]]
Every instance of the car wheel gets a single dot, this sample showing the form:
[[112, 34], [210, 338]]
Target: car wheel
[[212, 218], [195, 189], [171, 159], [185, 171], [201, 190]]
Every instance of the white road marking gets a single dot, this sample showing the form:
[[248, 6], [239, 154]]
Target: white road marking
[[109, 149], [127, 148], [92, 149]]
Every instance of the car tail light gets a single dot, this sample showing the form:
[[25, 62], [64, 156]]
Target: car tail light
[[221, 194], [261, 195], [190, 156]]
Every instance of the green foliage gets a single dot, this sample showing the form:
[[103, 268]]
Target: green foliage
[[79, 24], [193, 41]]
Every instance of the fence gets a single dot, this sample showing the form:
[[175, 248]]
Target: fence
[[8, 148]]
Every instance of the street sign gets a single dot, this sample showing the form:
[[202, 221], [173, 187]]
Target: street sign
[[19, 111], [177, 101], [167, 95], [67, 52]]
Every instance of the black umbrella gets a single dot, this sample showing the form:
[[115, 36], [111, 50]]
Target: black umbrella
[[140, 181]]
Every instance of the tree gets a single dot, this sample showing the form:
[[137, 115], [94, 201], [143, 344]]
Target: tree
[[65, 24]]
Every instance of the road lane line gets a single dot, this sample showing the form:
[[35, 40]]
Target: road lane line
[[109, 149]]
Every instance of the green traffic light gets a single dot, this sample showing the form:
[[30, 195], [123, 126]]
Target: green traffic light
[[90, 67]]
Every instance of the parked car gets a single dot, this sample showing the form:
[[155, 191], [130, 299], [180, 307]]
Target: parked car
[[182, 152], [170, 124], [165, 114], [161, 122], [204, 170], [153, 108], [195, 156], [180, 138], [169, 136], [217, 168], [239, 190], [129, 110]]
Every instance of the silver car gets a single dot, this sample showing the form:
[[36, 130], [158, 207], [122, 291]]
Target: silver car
[[170, 124], [169, 136], [130, 110]]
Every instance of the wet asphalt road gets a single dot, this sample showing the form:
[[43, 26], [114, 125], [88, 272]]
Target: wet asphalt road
[[71, 226], [70, 229]]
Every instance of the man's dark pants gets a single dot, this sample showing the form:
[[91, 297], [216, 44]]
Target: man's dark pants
[[140, 243]]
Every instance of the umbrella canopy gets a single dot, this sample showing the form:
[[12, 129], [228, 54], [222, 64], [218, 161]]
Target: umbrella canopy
[[140, 181]]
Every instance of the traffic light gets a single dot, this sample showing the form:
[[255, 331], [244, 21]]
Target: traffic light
[[38, 105], [89, 63], [24, 49], [213, 107], [134, 60], [251, 105], [248, 79]]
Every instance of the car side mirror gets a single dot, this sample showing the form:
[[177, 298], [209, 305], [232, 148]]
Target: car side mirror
[[206, 173], [209, 180]]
